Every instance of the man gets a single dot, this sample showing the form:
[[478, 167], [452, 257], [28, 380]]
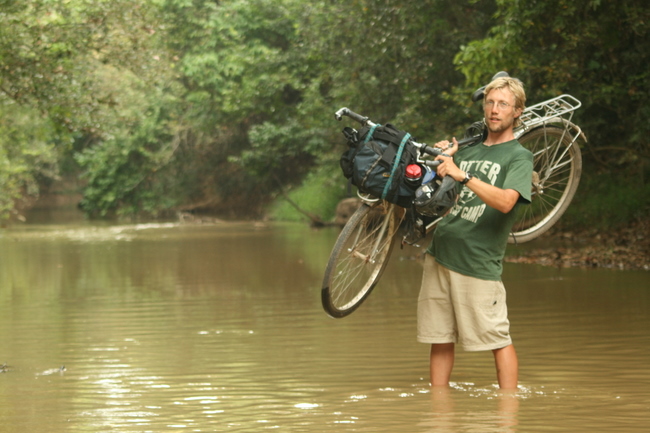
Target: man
[[462, 298]]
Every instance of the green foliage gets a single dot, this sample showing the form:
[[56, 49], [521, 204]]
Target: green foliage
[[50, 51], [27, 156], [121, 172], [121, 169], [235, 57], [319, 194], [74, 66], [280, 152], [393, 60], [596, 50], [614, 199], [216, 105]]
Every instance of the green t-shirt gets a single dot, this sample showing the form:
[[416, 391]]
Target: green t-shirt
[[471, 239]]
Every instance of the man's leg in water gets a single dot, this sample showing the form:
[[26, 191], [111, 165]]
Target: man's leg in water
[[507, 366], [442, 362]]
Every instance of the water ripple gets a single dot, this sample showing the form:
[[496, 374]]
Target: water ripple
[[207, 331]]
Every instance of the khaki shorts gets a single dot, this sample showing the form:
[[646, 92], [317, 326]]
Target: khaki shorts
[[455, 308]]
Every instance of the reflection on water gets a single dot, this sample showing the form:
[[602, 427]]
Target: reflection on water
[[163, 327]]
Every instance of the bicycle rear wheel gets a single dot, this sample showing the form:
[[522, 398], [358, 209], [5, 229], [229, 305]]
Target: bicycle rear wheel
[[557, 166], [359, 257]]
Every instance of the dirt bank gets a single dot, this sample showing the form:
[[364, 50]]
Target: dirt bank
[[627, 248]]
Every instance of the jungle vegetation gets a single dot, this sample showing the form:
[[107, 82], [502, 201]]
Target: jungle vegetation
[[220, 106]]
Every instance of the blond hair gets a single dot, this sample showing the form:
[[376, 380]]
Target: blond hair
[[515, 86]]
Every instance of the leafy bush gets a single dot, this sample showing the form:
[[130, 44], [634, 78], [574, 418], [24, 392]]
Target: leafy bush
[[607, 200], [27, 156]]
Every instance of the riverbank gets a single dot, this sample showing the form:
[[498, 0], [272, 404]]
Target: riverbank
[[626, 248]]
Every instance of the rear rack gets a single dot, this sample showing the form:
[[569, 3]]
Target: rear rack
[[550, 111]]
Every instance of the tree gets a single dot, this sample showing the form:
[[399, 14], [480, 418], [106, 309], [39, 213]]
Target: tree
[[67, 65], [259, 81], [215, 105], [50, 53], [595, 49], [27, 156], [387, 59]]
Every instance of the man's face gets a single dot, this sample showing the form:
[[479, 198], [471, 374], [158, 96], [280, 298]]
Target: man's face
[[499, 109]]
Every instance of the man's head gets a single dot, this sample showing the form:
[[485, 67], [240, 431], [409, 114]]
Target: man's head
[[504, 101]]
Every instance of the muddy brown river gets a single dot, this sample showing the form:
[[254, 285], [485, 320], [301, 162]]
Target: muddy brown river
[[218, 328]]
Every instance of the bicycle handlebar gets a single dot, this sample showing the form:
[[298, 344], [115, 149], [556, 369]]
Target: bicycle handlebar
[[347, 112], [433, 151]]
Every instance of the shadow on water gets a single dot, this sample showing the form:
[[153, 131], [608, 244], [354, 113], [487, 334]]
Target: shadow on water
[[167, 327]]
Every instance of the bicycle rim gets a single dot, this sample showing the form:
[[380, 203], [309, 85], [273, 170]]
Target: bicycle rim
[[557, 166], [359, 257]]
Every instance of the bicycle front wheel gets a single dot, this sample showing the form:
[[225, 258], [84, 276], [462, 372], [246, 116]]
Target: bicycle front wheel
[[557, 166], [359, 257]]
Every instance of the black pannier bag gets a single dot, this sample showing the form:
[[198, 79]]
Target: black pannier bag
[[376, 162]]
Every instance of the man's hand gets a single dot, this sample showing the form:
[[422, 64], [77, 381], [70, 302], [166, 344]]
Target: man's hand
[[502, 200], [450, 147], [447, 165]]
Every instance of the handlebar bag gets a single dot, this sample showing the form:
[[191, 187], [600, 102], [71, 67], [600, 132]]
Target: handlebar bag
[[376, 163]]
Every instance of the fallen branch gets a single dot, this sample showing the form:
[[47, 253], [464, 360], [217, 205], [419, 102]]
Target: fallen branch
[[316, 221]]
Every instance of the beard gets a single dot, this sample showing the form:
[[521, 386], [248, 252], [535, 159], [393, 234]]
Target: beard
[[503, 125]]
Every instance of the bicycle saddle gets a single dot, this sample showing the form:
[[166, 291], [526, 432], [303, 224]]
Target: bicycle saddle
[[480, 92]]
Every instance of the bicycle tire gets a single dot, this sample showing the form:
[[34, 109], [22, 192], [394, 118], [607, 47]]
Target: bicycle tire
[[557, 167], [351, 272]]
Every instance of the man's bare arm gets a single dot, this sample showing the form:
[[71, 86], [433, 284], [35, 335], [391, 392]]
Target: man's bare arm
[[502, 200]]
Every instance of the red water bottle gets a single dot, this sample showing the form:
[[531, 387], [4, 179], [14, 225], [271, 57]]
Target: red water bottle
[[413, 173]]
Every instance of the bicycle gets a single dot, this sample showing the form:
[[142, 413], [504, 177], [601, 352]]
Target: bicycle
[[361, 252]]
